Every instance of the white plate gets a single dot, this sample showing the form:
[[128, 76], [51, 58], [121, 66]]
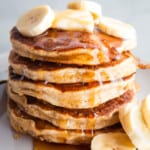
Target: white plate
[[3, 66], [7, 141]]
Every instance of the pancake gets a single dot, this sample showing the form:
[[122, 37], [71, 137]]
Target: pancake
[[62, 73], [97, 118], [70, 47], [77, 95], [43, 130]]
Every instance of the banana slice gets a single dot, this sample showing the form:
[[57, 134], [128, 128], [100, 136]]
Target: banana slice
[[93, 7], [117, 28], [35, 21], [74, 20], [112, 141], [134, 125], [145, 108]]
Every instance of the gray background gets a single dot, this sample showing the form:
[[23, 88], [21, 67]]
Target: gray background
[[135, 12]]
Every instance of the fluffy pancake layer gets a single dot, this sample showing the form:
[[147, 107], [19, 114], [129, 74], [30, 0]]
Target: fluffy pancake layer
[[96, 118], [78, 95], [61, 73], [70, 47], [43, 130]]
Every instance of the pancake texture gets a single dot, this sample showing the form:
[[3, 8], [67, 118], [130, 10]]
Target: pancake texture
[[43, 130], [61, 73], [97, 118], [67, 86], [87, 95]]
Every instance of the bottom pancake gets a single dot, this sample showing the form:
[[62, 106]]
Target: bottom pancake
[[43, 130], [96, 118]]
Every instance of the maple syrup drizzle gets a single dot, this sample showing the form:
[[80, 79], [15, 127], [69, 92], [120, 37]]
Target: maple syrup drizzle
[[140, 63], [62, 40], [39, 145], [143, 65]]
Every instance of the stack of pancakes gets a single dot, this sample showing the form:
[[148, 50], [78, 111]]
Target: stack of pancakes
[[67, 86]]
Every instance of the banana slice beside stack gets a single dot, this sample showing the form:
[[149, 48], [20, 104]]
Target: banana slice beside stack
[[35, 21], [145, 108], [93, 7], [75, 20], [134, 125], [117, 28], [112, 141]]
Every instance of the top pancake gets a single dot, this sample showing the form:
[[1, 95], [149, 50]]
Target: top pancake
[[70, 47]]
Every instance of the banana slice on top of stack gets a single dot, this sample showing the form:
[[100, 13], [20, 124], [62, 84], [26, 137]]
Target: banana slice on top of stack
[[93, 7], [70, 19], [121, 30], [117, 28], [35, 21], [136, 123], [81, 15]]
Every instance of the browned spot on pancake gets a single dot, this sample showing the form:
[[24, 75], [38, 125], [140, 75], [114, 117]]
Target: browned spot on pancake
[[41, 65], [104, 109], [62, 40], [63, 87]]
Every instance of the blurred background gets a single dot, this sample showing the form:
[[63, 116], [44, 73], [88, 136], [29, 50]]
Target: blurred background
[[135, 12]]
